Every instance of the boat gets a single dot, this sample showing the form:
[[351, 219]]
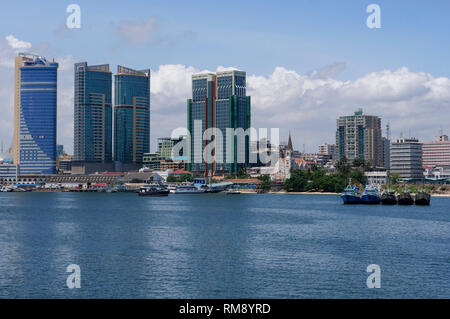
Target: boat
[[351, 195], [188, 189], [388, 198], [153, 189], [422, 198], [233, 192], [405, 198], [370, 195]]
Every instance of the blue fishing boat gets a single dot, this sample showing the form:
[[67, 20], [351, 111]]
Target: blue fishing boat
[[351, 195], [371, 195]]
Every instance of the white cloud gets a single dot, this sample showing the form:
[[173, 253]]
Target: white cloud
[[308, 105], [17, 44]]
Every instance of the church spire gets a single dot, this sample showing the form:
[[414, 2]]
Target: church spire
[[289, 146]]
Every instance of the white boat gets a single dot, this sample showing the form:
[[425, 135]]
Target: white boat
[[188, 189]]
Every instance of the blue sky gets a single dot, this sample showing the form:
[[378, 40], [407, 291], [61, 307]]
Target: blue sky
[[255, 36]]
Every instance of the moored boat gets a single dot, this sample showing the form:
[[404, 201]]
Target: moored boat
[[405, 198], [422, 199], [351, 195], [370, 196], [153, 190], [388, 198], [188, 189]]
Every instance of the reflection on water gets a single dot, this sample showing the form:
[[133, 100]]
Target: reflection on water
[[218, 246]]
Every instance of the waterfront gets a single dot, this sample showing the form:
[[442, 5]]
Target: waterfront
[[218, 246]]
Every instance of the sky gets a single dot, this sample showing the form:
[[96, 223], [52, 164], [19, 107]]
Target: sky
[[307, 62]]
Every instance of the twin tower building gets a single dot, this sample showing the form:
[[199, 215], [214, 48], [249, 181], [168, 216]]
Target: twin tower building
[[103, 134], [114, 137]]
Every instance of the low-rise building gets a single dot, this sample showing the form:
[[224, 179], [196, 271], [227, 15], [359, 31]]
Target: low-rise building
[[437, 153], [376, 177]]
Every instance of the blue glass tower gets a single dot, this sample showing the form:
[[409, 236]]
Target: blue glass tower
[[92, 113], [131, 115], [35, 114]]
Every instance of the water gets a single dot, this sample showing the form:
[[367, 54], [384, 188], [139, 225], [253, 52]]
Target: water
[[219, 246]]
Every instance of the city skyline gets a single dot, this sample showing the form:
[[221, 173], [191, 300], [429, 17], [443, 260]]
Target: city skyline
[[318, 80]]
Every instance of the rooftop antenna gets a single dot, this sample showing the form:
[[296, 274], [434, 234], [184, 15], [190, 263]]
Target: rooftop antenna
[[2, 148], [409, 133], [388, 131], [304, 149], [441, 131]]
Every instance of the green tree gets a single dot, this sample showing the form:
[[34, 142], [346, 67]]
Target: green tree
[[343, 166], [297, 182], [265, 182], [394, 177]]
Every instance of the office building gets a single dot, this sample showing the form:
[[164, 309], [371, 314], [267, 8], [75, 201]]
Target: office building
[[437, 153], [406, 158], [218, 101], [131, 115], [359, 136], [92, 113], [35, 114]]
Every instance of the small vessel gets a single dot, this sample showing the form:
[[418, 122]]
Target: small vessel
[[405, 198], [188, 189], [153, 189], [370, 196], [422, 198], [351, 195], [233, 192], [388, 198]]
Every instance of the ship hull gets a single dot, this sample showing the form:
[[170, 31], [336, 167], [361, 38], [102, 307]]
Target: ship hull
[[422, 199], [154, 193], [405, 200], [351, 199], [388, 199], [370, 199]]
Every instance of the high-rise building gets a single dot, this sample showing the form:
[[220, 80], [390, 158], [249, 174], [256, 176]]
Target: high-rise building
[[406, 158], [218, 101], [359, 136], [92, 113], [131, 115], [35, 114], [437, 153]]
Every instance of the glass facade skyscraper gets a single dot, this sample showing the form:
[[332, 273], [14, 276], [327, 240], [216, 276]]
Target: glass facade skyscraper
[[131, 115], [92, 113], [219, 101], [35, 114]]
